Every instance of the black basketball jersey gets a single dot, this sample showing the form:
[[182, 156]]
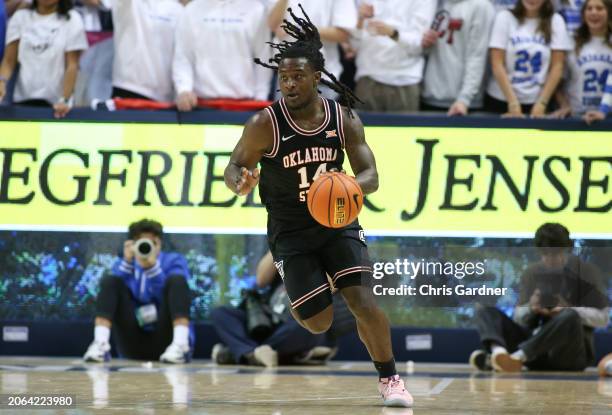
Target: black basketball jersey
[[296, 159]]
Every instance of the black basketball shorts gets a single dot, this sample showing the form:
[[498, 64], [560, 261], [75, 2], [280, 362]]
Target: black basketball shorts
[[308, 261]]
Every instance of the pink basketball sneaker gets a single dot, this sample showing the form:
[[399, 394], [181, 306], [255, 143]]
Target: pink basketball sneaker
[[393, 392]]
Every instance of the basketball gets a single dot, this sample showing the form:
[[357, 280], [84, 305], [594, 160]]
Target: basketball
[[335, 199]]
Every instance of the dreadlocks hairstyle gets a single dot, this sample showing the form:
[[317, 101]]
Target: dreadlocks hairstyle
[[307, 44]]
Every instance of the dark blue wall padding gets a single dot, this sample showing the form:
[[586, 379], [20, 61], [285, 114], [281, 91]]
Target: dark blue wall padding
[[448, 345]]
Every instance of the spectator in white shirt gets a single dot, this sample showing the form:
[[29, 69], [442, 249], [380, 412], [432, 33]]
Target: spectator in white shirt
[[605, 107], [390, 59], [334, 19], [144, 33], [527, 46], [589, 63], [46, 41], [568, 9], [216, 44], [457, 56]]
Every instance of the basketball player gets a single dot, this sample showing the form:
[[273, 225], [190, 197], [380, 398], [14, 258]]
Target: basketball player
[[297, 139]]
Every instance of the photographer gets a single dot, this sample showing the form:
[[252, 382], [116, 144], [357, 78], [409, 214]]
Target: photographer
[[562, 299], [146, 300], [261, 331]]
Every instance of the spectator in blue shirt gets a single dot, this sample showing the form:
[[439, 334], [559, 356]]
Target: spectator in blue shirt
[[2, 27], [146, 300]]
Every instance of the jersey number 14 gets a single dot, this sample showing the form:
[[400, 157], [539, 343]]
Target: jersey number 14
[[304, 183]]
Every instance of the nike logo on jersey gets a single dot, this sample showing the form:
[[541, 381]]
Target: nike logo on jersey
[[288, 138]]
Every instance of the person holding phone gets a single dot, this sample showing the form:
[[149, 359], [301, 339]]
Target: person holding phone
[[562, 300]]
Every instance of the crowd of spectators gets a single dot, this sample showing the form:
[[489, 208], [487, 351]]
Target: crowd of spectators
[[525, 58]]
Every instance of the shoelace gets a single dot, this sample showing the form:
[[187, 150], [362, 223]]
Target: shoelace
[[394, 383]]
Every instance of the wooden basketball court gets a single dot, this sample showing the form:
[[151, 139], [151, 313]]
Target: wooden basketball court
[[346, 388]]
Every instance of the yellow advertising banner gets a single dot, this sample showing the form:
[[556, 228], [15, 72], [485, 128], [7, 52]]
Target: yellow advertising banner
[[433, 181]]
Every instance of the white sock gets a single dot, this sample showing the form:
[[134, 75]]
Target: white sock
[[498, 349], [519, 355], [180, 335], [101, 334]]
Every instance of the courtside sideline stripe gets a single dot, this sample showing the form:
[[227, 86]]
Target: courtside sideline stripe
[[298, 372]]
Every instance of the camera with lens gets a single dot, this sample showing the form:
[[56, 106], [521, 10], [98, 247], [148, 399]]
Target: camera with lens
[[144, 248], [258, 322]]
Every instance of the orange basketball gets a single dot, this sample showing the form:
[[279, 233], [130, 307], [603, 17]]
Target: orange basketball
[[335, 199]]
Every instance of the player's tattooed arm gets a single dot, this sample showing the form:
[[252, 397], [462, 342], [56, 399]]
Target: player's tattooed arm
[[241, 174], [359, 153]]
